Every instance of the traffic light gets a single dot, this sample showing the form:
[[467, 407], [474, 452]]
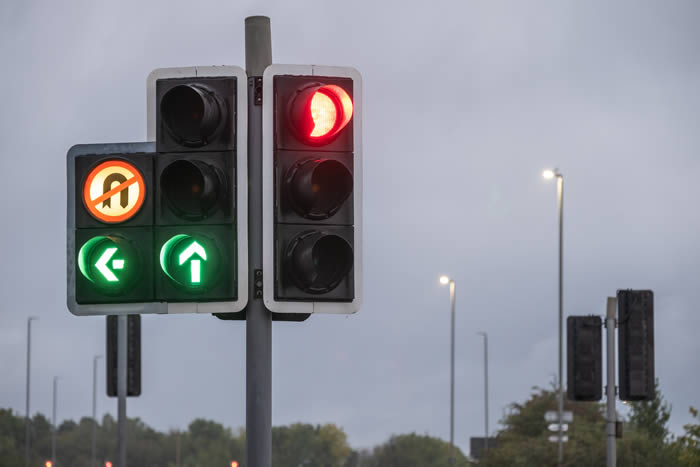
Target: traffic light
[[312, 189], [133, 356], [155, 227], [234, 464], [584, 362], [636, 344]]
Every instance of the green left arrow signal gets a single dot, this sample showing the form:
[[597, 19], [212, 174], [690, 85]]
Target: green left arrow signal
[[98, 260], [101, 264]]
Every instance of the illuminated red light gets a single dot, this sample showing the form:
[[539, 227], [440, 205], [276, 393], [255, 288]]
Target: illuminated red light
[[108, 464], [234, 464], [319, 113], [49, 464]]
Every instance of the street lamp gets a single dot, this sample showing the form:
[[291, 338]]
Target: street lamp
[[94, 410], [444, 280], [486, 387], [53, 424], [550, 174], [26, 418]]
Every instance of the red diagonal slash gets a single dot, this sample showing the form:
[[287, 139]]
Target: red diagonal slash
[[114, 191]]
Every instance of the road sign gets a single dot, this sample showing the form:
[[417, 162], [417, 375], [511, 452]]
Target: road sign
[[555, 427], [114, 191], [553, 416], [555, 438]]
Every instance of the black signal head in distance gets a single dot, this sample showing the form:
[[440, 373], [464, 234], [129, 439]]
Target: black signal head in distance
[[195, 114]]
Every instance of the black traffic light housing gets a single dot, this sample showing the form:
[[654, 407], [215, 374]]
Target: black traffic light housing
[[179, 193], [636, 344], [133, 356], [312, 189], [584, 369]]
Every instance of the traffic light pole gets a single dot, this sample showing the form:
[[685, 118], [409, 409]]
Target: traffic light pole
[[122, 325], [258, 55], [611, 418]]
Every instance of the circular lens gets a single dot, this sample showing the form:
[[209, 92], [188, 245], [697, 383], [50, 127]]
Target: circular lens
[[192, 188], [192, 114], [324, 114], [320, 261], [319, 187], [319, 112], [109, 263]]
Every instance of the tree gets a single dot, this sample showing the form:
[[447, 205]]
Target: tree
[[689, 443], [413, 450], [304, 445], [651, 416]]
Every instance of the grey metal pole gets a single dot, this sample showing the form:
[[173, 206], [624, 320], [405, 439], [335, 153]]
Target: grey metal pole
[[122, 324], [53, 423], [610, 388], [258, 55], [93, 449], [560, 202], [486, 389], [452, 373], [26, 417]]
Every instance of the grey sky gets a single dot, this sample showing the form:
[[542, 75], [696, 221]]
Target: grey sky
[[464, 104]]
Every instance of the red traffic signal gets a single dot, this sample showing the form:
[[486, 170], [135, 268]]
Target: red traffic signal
[[108, 464], [312, 189], [49, 464], [234, 464], [319, 112]]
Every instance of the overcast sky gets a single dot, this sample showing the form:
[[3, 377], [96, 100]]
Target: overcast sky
[[465, 102]]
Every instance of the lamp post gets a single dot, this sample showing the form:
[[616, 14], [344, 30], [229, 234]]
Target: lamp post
[[53, 423], [26, 417], [93, 450], [550, 174], [486, 388], [444, 280]]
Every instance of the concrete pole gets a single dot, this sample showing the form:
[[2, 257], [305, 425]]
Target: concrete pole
[[53, 423], [26, 416], [611, 418], [452, 373], [258, 55], [93, 447], [560, 203], [122, 329]]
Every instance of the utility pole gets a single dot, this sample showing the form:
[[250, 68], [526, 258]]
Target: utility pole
[[53, 423], [93, 447]]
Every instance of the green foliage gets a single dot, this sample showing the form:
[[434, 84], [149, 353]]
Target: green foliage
[[309, 446], [414, 450], [688, 445], [651, 416]]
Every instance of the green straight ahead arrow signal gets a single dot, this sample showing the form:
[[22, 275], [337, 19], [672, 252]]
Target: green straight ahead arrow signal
[[195, 264]]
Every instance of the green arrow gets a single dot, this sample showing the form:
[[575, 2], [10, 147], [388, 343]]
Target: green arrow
[[101, 264], [195, 264], [191, 250]]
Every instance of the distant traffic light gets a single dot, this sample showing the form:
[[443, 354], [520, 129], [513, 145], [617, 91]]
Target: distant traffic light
[[108, 464], [157, 225], [48, 464], [584, 358], [312, 168], [133, 356], [234, 464], [636, 344]]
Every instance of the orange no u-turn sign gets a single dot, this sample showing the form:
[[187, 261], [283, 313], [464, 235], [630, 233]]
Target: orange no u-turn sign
[[114, 191]]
